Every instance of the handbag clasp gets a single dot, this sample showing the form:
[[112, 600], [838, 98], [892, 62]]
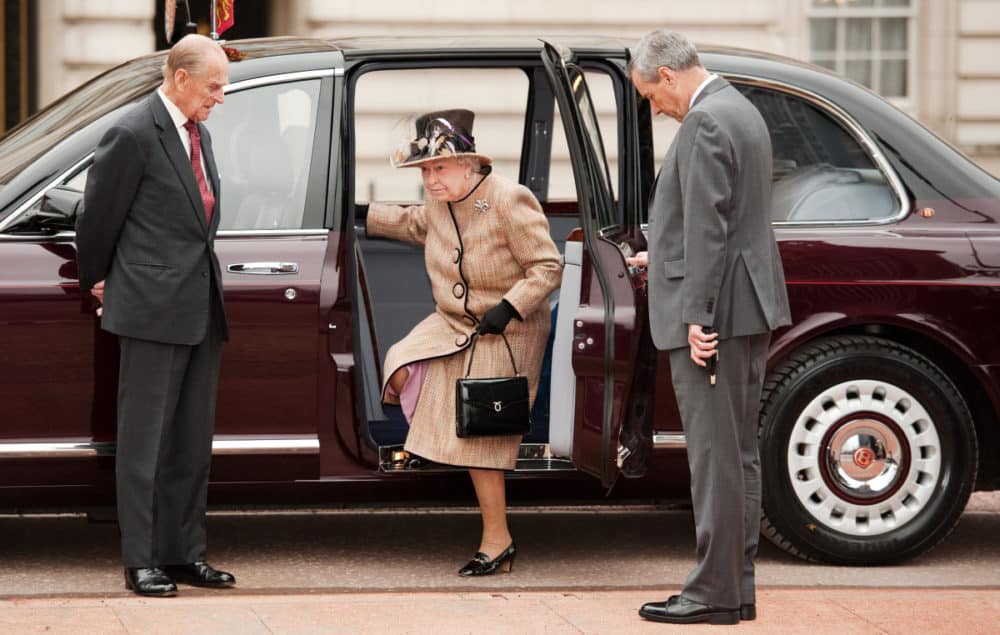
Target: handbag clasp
[[497, 405]]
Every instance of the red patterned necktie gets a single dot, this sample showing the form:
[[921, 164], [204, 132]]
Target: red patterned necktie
[[199, 174]]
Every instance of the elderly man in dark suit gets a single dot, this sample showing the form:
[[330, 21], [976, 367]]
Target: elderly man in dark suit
[[716, 291], [146, 251]]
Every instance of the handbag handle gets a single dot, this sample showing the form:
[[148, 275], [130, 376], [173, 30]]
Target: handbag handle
[[472, 354]]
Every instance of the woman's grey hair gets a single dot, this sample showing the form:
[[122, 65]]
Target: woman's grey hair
[[662, 48], [472, 162]]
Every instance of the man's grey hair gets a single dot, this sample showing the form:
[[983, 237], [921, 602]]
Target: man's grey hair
[[662, 48], [190, 53]]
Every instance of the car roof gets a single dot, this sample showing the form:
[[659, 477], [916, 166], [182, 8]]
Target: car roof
[[262, 47], [129, 81], [726, 58]]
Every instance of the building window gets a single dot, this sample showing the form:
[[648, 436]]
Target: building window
[[869, 41]]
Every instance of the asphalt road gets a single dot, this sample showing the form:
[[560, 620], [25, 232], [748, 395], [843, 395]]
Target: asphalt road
[[372, 550]]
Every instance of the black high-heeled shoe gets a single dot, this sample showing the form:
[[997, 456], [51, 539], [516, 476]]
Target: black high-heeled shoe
[[482, 565]]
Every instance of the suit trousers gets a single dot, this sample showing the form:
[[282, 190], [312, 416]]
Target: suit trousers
[[720, 426], [166, 419]]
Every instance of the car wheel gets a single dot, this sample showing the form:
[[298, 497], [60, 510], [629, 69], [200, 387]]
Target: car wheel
[[868, 452]]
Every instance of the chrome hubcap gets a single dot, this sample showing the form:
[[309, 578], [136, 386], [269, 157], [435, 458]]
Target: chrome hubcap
[[864, 457]]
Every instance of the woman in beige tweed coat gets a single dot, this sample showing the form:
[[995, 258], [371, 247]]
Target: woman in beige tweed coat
[[492, 265]]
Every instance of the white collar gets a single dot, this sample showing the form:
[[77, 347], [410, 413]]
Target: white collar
[[175, 113], [701, 87]]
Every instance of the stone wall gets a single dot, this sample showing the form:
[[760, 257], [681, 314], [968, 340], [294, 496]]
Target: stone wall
[[957, 57], [976, 113], [77, 39]]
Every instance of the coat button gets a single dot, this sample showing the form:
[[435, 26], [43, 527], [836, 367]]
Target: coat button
[[458, 290], [458, 255], [462, 340], [204, 274], [469, 320]]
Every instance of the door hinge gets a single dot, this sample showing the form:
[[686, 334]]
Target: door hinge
[[623, 453]]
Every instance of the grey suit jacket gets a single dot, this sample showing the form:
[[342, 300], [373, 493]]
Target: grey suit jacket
[[143, 231], [713, 259]]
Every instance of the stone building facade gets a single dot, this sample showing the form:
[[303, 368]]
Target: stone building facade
[[939, 60]]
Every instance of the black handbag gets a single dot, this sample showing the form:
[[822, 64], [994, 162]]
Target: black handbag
[[493, 406]]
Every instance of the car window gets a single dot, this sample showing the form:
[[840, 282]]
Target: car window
[[102, 95], [386, 103], [822, 173], [602, 95], [263, 139], [79, 181]]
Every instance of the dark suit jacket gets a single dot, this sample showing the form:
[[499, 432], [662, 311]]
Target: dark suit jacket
[[143, 231], [713, 259]]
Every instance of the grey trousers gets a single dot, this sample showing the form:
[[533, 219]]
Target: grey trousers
[[166, 418], [720, 426]]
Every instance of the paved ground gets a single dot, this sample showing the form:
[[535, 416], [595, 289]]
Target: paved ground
[[578, 571], [784, 610], [373, 550]]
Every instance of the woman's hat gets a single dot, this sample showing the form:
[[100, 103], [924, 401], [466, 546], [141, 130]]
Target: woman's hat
[[442, 134]]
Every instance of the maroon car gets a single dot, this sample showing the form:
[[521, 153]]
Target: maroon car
[[879, 414]]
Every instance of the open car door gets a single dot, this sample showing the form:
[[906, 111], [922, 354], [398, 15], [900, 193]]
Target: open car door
[[610, 352]]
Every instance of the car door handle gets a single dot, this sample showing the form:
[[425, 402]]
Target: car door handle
[[264, 268]]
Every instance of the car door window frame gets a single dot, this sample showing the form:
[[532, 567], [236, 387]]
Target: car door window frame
[[416, 64], [314, 216], [316, 195], [854, 129]]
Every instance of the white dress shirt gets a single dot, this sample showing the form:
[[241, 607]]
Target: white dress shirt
[[179, 119], [701, 87]]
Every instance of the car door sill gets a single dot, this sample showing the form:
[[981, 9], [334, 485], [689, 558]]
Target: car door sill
[[532, 457]]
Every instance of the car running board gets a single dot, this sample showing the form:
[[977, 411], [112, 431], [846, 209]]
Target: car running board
[[532, 457]]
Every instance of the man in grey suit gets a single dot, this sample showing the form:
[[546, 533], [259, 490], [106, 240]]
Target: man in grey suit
[[716, 291], [145, 250]]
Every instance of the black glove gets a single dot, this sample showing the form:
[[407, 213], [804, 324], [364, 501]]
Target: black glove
[[495, 320]]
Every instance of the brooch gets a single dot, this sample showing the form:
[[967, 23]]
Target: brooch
[[481, 206]]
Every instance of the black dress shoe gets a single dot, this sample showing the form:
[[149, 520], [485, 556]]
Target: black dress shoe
[[482, 565], [680, 610], [201, 574], [151, 581], [748, 612]]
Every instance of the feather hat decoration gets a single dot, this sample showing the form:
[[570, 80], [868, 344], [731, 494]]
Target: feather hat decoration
[[440, 134]]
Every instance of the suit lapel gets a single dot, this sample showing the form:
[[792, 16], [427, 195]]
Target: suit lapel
[[174, 150], [652, 190], [668, 161], [714, 86]]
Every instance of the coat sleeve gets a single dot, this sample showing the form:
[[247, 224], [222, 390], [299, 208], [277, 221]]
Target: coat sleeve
[[408, 224], [112, 183], [531, 245], [706, 175]]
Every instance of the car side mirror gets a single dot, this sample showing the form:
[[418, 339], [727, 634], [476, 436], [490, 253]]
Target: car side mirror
[[59, 208]]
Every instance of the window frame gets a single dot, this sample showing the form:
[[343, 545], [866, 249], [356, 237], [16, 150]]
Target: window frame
[[855, 130], [839, 14], [314, 199], [319, 165], [416, 64], [528, 62]]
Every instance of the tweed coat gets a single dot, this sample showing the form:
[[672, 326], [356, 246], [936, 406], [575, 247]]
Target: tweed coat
[[494, 244]]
